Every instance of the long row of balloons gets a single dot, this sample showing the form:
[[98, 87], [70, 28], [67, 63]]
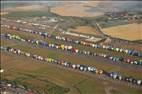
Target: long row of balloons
[[79, 67], [71, 49], [84, 43]]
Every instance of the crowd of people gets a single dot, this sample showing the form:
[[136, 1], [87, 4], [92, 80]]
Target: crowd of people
[[79, 67], [72, 49], [84, 43]]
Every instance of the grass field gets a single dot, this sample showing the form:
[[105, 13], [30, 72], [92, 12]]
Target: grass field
[[17, 69], [27, 14], [42, 77], [16, 10], [53, 79], [129, 70], [128, 32], [48, 78], [86, 30]]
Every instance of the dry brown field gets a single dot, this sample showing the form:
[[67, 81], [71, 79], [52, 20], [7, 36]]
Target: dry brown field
[[86, 30], [71, 9], [128, 32]]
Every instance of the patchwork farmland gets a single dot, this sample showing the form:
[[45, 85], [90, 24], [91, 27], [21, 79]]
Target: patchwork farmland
[[39, 57]]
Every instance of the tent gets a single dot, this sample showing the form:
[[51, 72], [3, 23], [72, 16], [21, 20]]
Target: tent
[[139, 82]]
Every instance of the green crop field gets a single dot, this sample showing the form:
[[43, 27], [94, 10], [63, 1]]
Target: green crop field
[[28, 14]]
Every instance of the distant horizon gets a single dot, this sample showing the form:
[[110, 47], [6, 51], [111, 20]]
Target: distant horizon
[[71, 0]]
